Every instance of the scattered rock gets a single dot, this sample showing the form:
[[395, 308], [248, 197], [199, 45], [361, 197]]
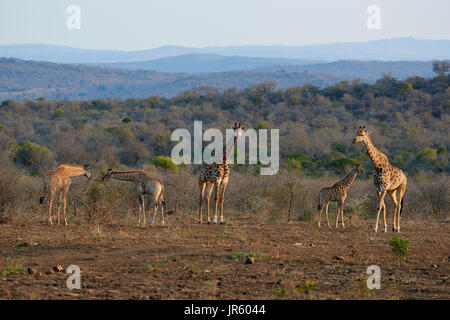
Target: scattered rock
[[51, 271], [40, 274], [5, 220], [31, 244], [113, 291], [32, 270], [271, 273], [339, 258], [58, 268], [71, 294], [435, 266], [249, 260]]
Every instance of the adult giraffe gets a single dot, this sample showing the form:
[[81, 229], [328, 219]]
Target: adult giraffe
[[59, 181], [387, 179], [215, 176]]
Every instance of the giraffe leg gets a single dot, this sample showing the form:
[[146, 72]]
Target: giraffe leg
[[162, 213], [144, 221], [342, 214], [209, 191], [202, 191], [216, 200], [140, 210], [402, 191], [65, 205], [222, 199], [384, 217], [338, 213], [320, 215], [380, 206], [50, 202], [392, 195], [326, 212], [155, 212], [59, 206]]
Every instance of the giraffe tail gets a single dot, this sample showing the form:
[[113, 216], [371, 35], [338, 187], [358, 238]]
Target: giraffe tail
[[401, 205]]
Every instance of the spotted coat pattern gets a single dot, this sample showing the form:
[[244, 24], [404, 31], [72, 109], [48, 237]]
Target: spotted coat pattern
[[59, 181], [337, 193], [143, 184], [388, 179]]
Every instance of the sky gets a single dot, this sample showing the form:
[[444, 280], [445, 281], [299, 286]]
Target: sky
[[144, 24]]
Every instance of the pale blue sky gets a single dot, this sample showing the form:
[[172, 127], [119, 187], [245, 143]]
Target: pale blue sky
[[145, 24]]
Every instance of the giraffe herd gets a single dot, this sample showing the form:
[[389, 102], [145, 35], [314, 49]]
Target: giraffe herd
[[214, 177]]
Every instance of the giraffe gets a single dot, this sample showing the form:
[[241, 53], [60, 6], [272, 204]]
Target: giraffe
[[337, 193], [387, 179], [59, 181], [143, 184], [215, 176]]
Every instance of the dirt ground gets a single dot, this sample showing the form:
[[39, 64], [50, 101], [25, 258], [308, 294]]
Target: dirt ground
[[184, 260]]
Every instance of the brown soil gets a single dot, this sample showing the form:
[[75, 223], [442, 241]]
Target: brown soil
[[185, 260]]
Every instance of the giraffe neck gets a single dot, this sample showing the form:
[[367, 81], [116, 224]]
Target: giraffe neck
[[229, 149], [71, 170], [378, 158], [347, 181], [124, 175]]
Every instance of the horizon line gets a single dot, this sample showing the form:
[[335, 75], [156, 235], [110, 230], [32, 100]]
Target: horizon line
[[222, 46]]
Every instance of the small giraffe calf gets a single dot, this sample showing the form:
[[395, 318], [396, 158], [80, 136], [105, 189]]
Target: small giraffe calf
[[337, 193], [143, 184]]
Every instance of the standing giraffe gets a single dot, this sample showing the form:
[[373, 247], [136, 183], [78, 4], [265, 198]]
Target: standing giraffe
[[143, 184], [337, 193], [215, 175], [387, 179], [59, 181]]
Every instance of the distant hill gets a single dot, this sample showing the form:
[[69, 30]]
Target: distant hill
[[204, 62], [387, 50], [368, 71], [21, 79]]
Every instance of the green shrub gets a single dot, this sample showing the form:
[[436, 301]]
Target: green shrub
[[165, 163], [58, 113], [400, 247]]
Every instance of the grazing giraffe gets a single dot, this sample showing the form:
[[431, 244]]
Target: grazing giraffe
[[59, 181], [215, 175], [143, 184], [387, 179], [337, 193]]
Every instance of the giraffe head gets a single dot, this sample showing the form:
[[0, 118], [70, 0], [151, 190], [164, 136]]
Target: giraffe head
[[238, 128], [361, 135], [87, 171], [358, 169], [108, 175]]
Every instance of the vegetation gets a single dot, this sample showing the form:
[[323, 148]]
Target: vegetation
[[400, 247], [317, 126]]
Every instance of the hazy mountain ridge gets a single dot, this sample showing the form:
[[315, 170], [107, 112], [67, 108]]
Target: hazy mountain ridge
[[201, 63], [386, 49]]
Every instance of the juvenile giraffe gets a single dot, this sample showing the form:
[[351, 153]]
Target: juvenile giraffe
[[143, 184], [387, 179], [215, 176], [59, 181], [337, 193]]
